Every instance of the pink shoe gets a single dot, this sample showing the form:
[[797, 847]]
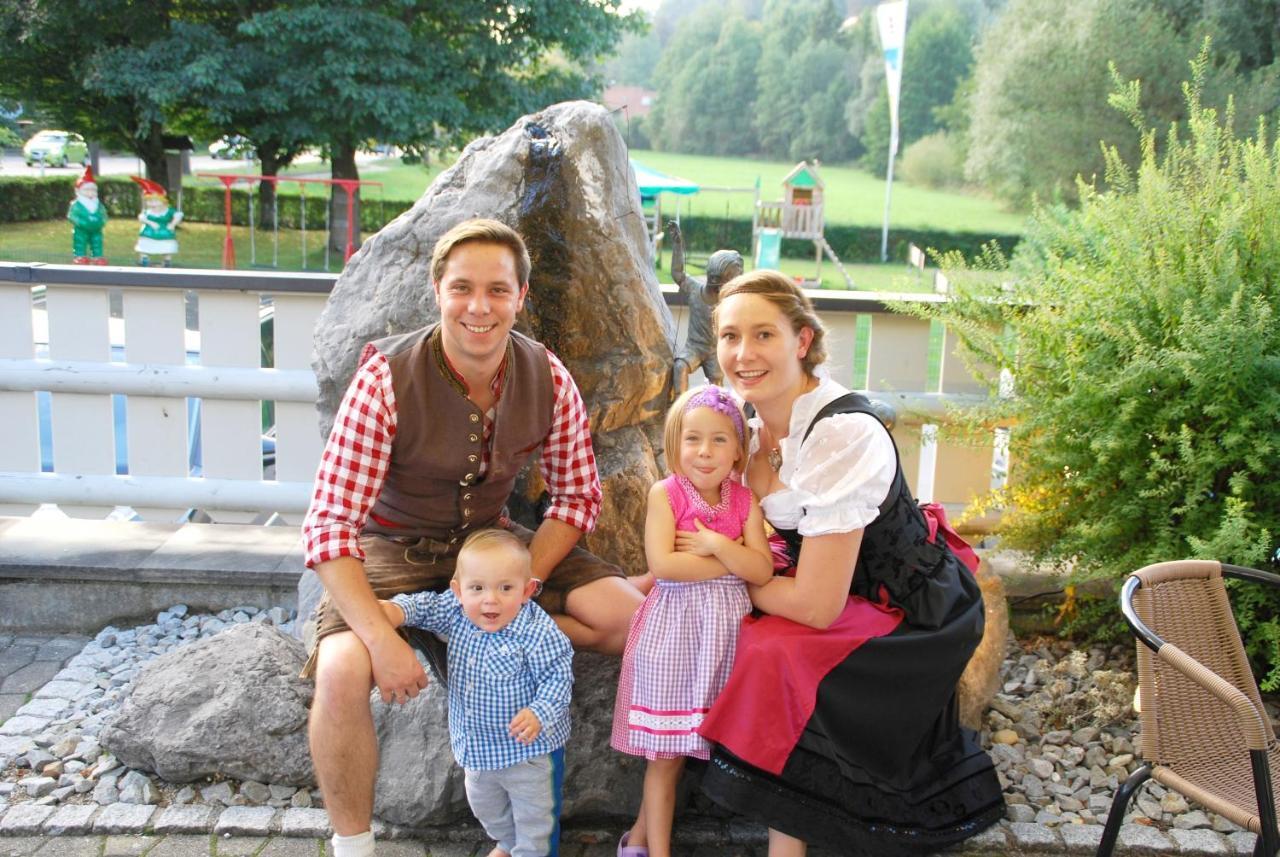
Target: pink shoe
[[625, 850]]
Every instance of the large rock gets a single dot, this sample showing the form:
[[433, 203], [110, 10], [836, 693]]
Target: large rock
[[233, 706], [561, 177]]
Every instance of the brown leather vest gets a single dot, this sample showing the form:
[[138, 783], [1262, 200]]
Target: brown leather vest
[[433, 488]]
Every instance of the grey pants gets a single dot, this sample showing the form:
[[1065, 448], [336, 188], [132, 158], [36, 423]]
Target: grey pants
[[519, 806]]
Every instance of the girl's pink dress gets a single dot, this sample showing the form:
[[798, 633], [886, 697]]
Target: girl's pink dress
[[680, 649]]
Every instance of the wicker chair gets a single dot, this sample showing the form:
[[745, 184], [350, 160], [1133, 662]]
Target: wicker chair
[[1205, 733]]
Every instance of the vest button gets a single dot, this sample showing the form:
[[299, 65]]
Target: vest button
[[475, 418], [466, 513], [473, 458], [473, 437], [466, 496]]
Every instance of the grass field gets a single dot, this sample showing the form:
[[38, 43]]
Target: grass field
[[201, 247], [853, 196]]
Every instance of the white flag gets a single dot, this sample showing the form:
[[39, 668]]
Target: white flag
[[892, 18]]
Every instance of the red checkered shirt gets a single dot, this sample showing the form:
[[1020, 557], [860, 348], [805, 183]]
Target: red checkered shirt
[[358, 453]]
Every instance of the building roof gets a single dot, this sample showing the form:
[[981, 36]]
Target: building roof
[[804, 174]]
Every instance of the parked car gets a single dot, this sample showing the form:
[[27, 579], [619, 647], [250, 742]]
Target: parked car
[[56, 148], [232, 147]]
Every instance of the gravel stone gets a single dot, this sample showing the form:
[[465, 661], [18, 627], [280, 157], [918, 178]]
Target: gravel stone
[[1242, 841], [1020, 813]]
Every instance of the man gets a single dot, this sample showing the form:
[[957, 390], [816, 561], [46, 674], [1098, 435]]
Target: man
[[700, 342], [424, 450]]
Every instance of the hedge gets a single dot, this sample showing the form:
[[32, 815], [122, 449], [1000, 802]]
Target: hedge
[[27, 198], [46, 198]]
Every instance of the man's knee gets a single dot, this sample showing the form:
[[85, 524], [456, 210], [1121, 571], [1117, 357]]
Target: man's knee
[[344, 673]]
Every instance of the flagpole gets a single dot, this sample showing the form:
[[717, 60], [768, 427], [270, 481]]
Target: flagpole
[[888, 193]]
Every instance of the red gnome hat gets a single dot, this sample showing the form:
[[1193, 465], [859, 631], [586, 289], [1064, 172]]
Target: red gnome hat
[[86, 177], [150, 188]]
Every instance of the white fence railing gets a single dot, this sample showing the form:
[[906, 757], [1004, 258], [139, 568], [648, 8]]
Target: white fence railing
[[131, 390]]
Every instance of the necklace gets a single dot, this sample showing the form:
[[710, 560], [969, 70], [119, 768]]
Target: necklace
[[774, 455]]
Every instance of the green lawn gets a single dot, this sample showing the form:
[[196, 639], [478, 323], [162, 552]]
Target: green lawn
[[853, 196], [200, 245]]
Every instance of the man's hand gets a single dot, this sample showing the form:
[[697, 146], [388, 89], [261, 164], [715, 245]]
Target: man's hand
[[673, 230], [704, 542], [396, 671], [525, 726]]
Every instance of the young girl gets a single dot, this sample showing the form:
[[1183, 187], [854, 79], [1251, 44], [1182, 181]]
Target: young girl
[[704, 540]]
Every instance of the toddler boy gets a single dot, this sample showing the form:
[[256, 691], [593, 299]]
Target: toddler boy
[[510, 681]]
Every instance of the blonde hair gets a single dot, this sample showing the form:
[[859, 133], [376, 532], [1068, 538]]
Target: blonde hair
[[674, 427], [781, 291], [494, 538], [483, 231]]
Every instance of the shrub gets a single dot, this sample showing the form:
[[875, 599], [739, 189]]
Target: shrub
[[933, 161], [1143, 330]]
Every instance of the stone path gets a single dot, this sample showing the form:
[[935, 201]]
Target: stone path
[[1060, 731]]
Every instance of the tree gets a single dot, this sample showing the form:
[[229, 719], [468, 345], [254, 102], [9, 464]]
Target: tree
[[938, 55], [1039, 77], [421, 74], [1147, 431], [708, 86], [104, 68], [805, 75]]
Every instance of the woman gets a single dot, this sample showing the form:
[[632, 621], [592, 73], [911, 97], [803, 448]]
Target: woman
[[839, 723]]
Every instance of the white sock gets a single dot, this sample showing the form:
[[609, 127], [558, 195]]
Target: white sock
[[360, 845]]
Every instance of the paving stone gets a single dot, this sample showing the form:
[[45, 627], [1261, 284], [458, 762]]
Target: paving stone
[[71, 846], [10, 703], [47, 707], [282, 846], [127, 846], [1028, 836], [245, 821], [305, 822], [993, 838], [64, 690], [22, 724], [75, 819], [24, 819], [16, 745], [29, 678], [1081, 837], [60, 648], [238, 846], [182, 846], [19, 846], [186, 819], [1242, 841], [1141, 838], [460, 849], [1200, 842], [123, 818]]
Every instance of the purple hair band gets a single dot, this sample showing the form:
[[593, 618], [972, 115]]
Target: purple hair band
[[718, 400]]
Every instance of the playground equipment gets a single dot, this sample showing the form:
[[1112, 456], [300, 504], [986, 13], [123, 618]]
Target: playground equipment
[[228, 245], [798, 215], [652, 184]]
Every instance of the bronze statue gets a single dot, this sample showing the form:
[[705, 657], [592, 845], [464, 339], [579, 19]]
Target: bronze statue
[[700, 343]]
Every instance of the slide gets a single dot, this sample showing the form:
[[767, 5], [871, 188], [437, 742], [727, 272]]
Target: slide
[[768, 248]]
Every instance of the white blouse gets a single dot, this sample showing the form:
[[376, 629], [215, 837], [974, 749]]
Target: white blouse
[[836, 481]]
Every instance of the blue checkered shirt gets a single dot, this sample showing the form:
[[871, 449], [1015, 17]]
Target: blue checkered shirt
[[528, 664]]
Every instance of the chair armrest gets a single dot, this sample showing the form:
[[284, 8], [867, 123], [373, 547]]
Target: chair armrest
[[1253, 574], [1257, 733]]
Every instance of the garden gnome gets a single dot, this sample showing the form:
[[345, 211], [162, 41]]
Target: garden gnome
[[88, 218], [159, 220], [700, 344]]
